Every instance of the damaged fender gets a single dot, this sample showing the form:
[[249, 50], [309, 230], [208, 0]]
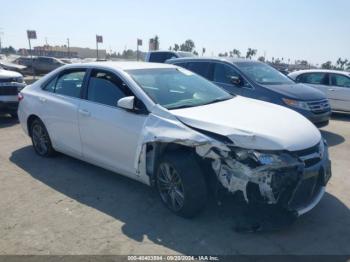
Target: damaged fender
[[162, 126]]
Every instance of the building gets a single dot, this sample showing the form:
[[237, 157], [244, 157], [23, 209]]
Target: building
[[63, 52]]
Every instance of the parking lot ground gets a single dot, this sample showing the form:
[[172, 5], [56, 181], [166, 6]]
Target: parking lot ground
[[65, 206]]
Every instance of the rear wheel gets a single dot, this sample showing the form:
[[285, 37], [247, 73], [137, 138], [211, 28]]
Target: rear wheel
[[181, 184], [41, 140]]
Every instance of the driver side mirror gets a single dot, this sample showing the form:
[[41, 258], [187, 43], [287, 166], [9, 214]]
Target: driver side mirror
[[127, 103], [235, 80]]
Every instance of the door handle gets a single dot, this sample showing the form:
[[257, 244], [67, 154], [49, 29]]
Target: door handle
[[331, 89], [42, 99], [84, 112]]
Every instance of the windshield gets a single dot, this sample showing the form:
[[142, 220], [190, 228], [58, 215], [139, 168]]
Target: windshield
[[175, 88], [263, 73]]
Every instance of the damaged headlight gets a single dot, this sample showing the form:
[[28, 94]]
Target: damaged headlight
[[255, 158]]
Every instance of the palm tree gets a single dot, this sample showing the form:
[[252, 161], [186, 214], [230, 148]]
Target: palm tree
[[341, 63], [251, 52], [236, 52]]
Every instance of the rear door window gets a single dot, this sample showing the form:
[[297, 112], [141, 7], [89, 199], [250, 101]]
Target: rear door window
[[314, 78], [340, 80], [70, 83], [201, 68]]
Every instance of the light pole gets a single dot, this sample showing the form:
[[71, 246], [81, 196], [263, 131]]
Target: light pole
[[68, 47], [31, 34]]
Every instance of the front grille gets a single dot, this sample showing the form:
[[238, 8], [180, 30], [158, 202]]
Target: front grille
[[320, 106], [306, 192], [7, 80], [310, 156], [8, 91]]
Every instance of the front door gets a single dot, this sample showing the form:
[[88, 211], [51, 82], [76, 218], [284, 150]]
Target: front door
[[109, 134], [222, 74]]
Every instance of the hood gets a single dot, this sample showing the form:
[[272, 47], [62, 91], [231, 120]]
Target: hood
[[297, 91], [7, 74], [253, 124]]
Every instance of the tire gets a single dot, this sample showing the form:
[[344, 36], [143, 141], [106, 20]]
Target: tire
[[186, 194], [41, 139]]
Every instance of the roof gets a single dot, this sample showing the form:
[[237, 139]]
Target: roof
[[212, 58], [320, 71], [123, 65]]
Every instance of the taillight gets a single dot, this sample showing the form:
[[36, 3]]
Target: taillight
[[20, 97]]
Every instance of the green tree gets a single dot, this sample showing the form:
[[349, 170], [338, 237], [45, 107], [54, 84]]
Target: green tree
[[188, 46], [327, 65], [251, 52], [176, 47], [261, 59]]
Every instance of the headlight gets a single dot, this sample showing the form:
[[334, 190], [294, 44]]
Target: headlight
[[255, 158], [296, 103], [18, 79]]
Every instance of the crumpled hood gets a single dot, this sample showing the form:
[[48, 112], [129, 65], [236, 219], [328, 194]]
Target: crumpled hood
[[297, 91], [253, 124], [6, 74]]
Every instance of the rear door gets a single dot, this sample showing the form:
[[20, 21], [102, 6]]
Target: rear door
[[201, 68], [109, 134], [59, 104], [318, 80], [339, 92]]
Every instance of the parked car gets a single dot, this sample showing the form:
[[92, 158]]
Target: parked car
[[260, 81], [334, 84], [24, 60], [10, 84], [44, 65], [162, 56], [170, 128]]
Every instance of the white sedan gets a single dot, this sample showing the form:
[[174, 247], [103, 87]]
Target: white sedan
[[334, 84], [170, 128]]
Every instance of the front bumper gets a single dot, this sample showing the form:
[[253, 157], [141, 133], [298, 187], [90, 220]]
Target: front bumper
[[309, 189], [296, 184], [8, 105]]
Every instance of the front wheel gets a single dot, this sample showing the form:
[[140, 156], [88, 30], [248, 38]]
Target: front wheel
[[181, 184], [41, 140]]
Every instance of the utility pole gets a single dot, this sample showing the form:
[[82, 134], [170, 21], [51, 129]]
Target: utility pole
[[68, 47]]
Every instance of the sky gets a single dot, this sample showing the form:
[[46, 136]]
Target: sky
[[315, 30]]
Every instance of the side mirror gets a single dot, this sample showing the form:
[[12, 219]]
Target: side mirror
[[235, 80], [127, 102]]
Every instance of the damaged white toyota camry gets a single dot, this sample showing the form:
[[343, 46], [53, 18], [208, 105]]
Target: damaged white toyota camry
[[172, 129]]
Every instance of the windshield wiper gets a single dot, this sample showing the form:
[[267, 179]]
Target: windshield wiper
[[180, 107], [217, 100]]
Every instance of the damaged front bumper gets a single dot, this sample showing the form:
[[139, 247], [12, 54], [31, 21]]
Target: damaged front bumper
[[297, 182]]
